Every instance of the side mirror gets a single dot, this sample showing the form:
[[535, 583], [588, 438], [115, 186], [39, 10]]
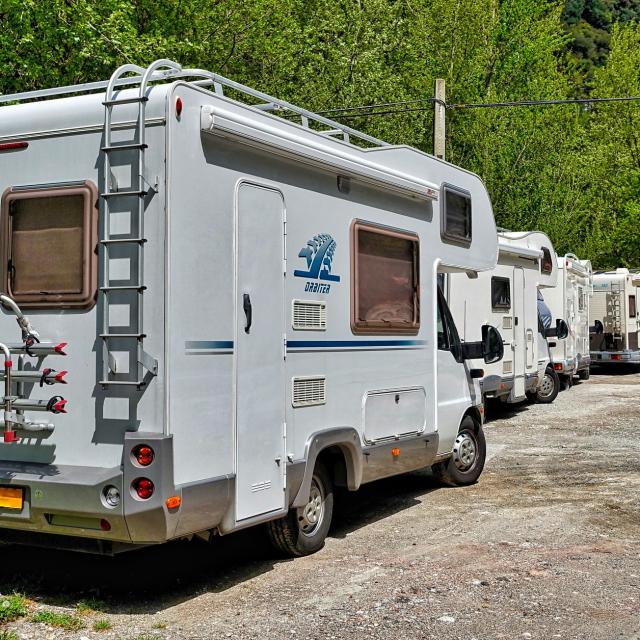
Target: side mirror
[[597, 328], [561, 330], [492, 344]]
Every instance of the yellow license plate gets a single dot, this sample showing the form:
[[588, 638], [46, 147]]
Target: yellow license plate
[[11, 498]]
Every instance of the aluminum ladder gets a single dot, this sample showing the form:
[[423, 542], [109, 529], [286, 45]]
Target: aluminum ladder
[[137, 193], [616, 311]]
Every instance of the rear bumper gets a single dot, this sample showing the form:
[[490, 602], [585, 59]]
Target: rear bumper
[[495, 386], [564, 367], [614, 356], [68, 500], [583, 362]]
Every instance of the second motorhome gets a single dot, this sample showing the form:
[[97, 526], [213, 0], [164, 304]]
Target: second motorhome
[[507, 298], [615, 306], [251, 309]]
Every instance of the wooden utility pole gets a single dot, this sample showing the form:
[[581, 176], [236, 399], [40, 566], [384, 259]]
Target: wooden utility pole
[[439, 115]]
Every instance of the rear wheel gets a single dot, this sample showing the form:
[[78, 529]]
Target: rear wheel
[[303, 530], [584, 374], [549, 387], [467, 460]]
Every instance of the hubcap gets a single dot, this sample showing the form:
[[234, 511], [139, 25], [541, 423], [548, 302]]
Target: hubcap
[[310, 516], [464, 451], [546, 388]]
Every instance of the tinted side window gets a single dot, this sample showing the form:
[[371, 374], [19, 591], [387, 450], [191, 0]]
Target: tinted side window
[[547, 263], [500, 293], [456, 216], [632, 306]]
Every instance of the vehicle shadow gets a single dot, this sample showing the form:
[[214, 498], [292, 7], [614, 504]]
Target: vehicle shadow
[[149, 580]]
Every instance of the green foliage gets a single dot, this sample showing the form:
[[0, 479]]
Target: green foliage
[[89, 606], [55, 619], [12, 607], [8, 635], [569, 171]]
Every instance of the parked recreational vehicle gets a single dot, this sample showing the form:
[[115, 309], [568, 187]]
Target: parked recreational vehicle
[[250, 306], [614, 305], [570, 300], [507, 298]]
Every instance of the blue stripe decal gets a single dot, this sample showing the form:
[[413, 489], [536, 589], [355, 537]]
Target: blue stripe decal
[[328, 344], [209, 344]]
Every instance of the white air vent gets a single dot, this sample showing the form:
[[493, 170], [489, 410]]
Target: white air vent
[[506, 322], [309, 315], [309, 391], [507, 366]]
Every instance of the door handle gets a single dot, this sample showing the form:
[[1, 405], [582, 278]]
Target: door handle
[[248, 312]]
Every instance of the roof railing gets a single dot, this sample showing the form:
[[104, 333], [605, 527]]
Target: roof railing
[[202, 78]]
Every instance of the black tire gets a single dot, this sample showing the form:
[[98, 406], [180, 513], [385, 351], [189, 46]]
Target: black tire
[[294, 535], [549, 388], [532, 396], [566, 382], [584, 374], [455, 470]]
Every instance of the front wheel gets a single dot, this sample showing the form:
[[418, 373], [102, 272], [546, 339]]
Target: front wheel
[[549, 387], [303, 530], [467, 460]]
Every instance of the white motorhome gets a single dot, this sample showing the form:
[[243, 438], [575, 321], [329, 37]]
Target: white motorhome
[[250, 306], [614, 311], [570, 300], [507, 298]]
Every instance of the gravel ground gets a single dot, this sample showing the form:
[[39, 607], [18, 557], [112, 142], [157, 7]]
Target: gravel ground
[[546, 545]]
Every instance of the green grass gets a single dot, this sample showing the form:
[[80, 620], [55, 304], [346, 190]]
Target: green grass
[[92, 605], [159, 625], [101, 625], [8, 635], [54, 619], [12, 607], [146, 636]]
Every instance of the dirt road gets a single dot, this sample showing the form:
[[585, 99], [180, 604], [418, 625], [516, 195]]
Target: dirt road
[[546, 545]]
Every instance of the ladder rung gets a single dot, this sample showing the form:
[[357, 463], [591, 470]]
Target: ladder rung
[[125, 147], [124, 241], [126, 287], [114, 194], [110, 103], [122, 383], [137, 336]]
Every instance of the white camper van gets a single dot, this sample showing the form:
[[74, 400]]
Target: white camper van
[[614, 317], [507, 298], [246, 305], [570, 300]]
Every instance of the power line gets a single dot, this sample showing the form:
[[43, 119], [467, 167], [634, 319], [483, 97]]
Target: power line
[[349, 113]]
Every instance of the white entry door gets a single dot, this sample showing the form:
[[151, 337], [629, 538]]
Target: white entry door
[[519, 334], [259, 411]]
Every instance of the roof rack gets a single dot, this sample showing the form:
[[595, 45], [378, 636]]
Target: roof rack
[[201, 78]]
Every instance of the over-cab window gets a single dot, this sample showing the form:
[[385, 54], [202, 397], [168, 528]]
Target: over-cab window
[[456, 216], [547, 263], [632, 306], [385, 280], [500, 293], [49, 250]]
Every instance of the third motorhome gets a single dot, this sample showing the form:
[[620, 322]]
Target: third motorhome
[[570, 299]]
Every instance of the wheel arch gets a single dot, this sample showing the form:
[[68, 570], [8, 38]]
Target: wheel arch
[[340, 450]]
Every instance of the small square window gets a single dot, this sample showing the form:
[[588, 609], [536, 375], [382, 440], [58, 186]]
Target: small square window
[[500, 293], [385, 280], [49, 251], [456, 216]]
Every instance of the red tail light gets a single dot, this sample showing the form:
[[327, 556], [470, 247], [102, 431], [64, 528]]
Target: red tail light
[[144, 455], [143, 487], [105, 525], [558, 366]]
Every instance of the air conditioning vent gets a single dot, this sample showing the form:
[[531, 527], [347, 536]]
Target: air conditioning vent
[[506, 322], [507, 366], [309, 391], [309, 315]]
